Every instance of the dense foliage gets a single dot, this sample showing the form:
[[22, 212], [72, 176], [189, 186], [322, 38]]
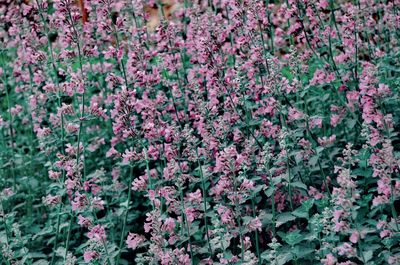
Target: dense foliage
[[228, 132]]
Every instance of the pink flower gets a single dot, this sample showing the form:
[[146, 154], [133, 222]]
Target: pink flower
[[112, 152], [7, 192], [80, 202], [315, 122], [54, 175], [326, 141], [315, 193], [169, 225], [323, 4], [191, 214], [43, 132], [52, 200], [84, 222], [381, 224], [335, 119], [384, 90], [247, 185], [90, 255], [134, 240], [352, 96], [97, 233], [329, 260], [379, 200], [385, 233], [97, 203], [225, 214], [354, 237], [16, 110], [115, 173], [346, 250], [153, 152], [195, 196], [394, 260], [184, 259], [295, 114], [128, 156], [255, 224], [140, 184], [319, 77]]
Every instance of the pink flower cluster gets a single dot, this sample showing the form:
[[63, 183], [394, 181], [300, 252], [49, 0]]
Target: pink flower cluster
[[199, 132]]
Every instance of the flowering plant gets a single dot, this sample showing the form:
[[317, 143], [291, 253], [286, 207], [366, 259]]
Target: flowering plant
[[204, 132]]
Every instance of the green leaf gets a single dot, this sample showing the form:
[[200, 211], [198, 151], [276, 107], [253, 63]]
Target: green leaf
[[284, 218], [300, 185], [284, 258], [299, 212], [41, 262], [269, 191], [257, 189], [313, 161], [44, 231], [325, 97], [37, 255], [303, 210], [351, 123], [293, 238], [302, 250], [266, 218], [319, 150], [124, 204], [368, 255]]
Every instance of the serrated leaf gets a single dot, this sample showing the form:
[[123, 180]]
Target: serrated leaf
[[257, 190], [325, 97], [269, 191], [124, 204], [299, 212], [44, 231], [351, 123], [293, 238], [368, 255], [284, 218], [313, 161], [284, 258], [303, 210], [300, 185], [266, 218], [41, 262], [36, 255], [304, 251], [319, 149]]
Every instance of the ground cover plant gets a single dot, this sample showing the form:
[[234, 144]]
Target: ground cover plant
[[199, 132]]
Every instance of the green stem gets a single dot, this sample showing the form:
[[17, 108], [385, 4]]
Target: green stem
[[253, 206], [68, 236], [50, 49], [118, 45], [238, 215], [10, 126], [5, 227], [204, 201], [126, 216], [185, 221]]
